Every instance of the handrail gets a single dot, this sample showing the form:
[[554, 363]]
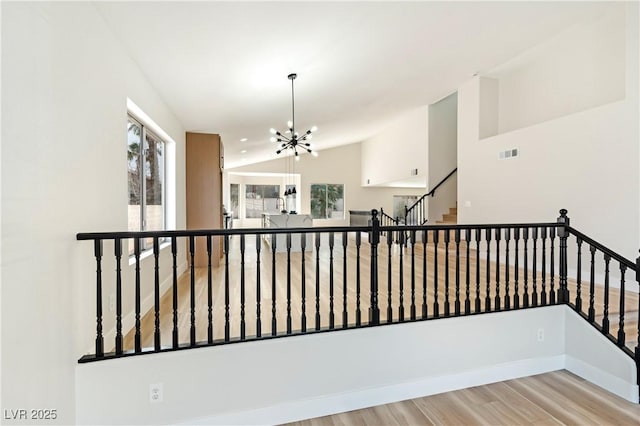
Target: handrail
[[384, 217], [471, 226], [433, 191], [419, 215], [628, 263]]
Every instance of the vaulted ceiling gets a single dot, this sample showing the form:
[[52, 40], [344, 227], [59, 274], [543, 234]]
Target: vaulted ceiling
[[222, 66]]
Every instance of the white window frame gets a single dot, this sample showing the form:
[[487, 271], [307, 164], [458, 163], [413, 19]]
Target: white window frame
[[169, 184]]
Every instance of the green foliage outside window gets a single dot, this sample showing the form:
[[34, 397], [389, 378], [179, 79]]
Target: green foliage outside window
[[327, 201]]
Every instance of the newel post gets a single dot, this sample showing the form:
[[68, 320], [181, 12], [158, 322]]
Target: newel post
[[563, 234], [374, 311]]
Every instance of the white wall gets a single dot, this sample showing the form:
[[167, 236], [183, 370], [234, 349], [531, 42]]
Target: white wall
[[313, 375], [585, 161], [336, 165], [578, 69], [592, 356], [402, 146], [65, 83], [443, 150]]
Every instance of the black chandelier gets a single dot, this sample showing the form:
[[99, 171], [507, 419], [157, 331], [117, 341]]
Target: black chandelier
[[291, 139]]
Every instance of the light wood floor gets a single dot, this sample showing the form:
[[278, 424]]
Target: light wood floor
[[557, 398], [345, 301]]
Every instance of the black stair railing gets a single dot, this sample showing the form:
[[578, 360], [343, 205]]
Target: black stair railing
[[416, 214], [300, 273], [386, 220]]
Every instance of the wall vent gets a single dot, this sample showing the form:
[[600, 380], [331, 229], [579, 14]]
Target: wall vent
[[509, 153]]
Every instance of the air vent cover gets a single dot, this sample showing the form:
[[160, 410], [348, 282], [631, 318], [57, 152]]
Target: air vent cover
[[509, 153]]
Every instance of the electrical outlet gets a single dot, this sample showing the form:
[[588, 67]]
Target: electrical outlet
[[112, 303], [540, 334], [156, 393]]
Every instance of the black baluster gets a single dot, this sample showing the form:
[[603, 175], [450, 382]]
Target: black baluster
[[345, 316], [174, 255], [303, 248], [621, 335], [456, 237], [156, 293], [288, 241], [274, 322], [467, 301], [389, 276], [209, 292], [478, 233], [227, 327], [579, 277], [258, 284], [412, 311], [543, 293], [192, 251], [487, 299], [498, 233], [637, 351], [436, 306], [358, 311], [563, 234], [331, 315], [424, 273], [243, 325], [401, 277], [138, 335], [374, 311], [552, 292], [525, 235], [507, 238], [317, 243], [516, 294], [118, 254], [605, 320], [534, 294], [447, 307], [592, 291], [97, 250]]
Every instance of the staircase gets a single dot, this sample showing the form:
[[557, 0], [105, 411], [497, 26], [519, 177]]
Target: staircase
[[450, 218], [417, 213]]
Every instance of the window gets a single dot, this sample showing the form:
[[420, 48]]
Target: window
[[146, 180], [261, 199], [327, 201], [400, 203], [234, 198]]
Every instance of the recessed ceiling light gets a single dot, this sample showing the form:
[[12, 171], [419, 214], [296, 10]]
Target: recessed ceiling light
[[244, 151], [244, 140]]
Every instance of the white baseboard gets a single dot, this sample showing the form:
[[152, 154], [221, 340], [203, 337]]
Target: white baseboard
[[601, 378], [363, 398]]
